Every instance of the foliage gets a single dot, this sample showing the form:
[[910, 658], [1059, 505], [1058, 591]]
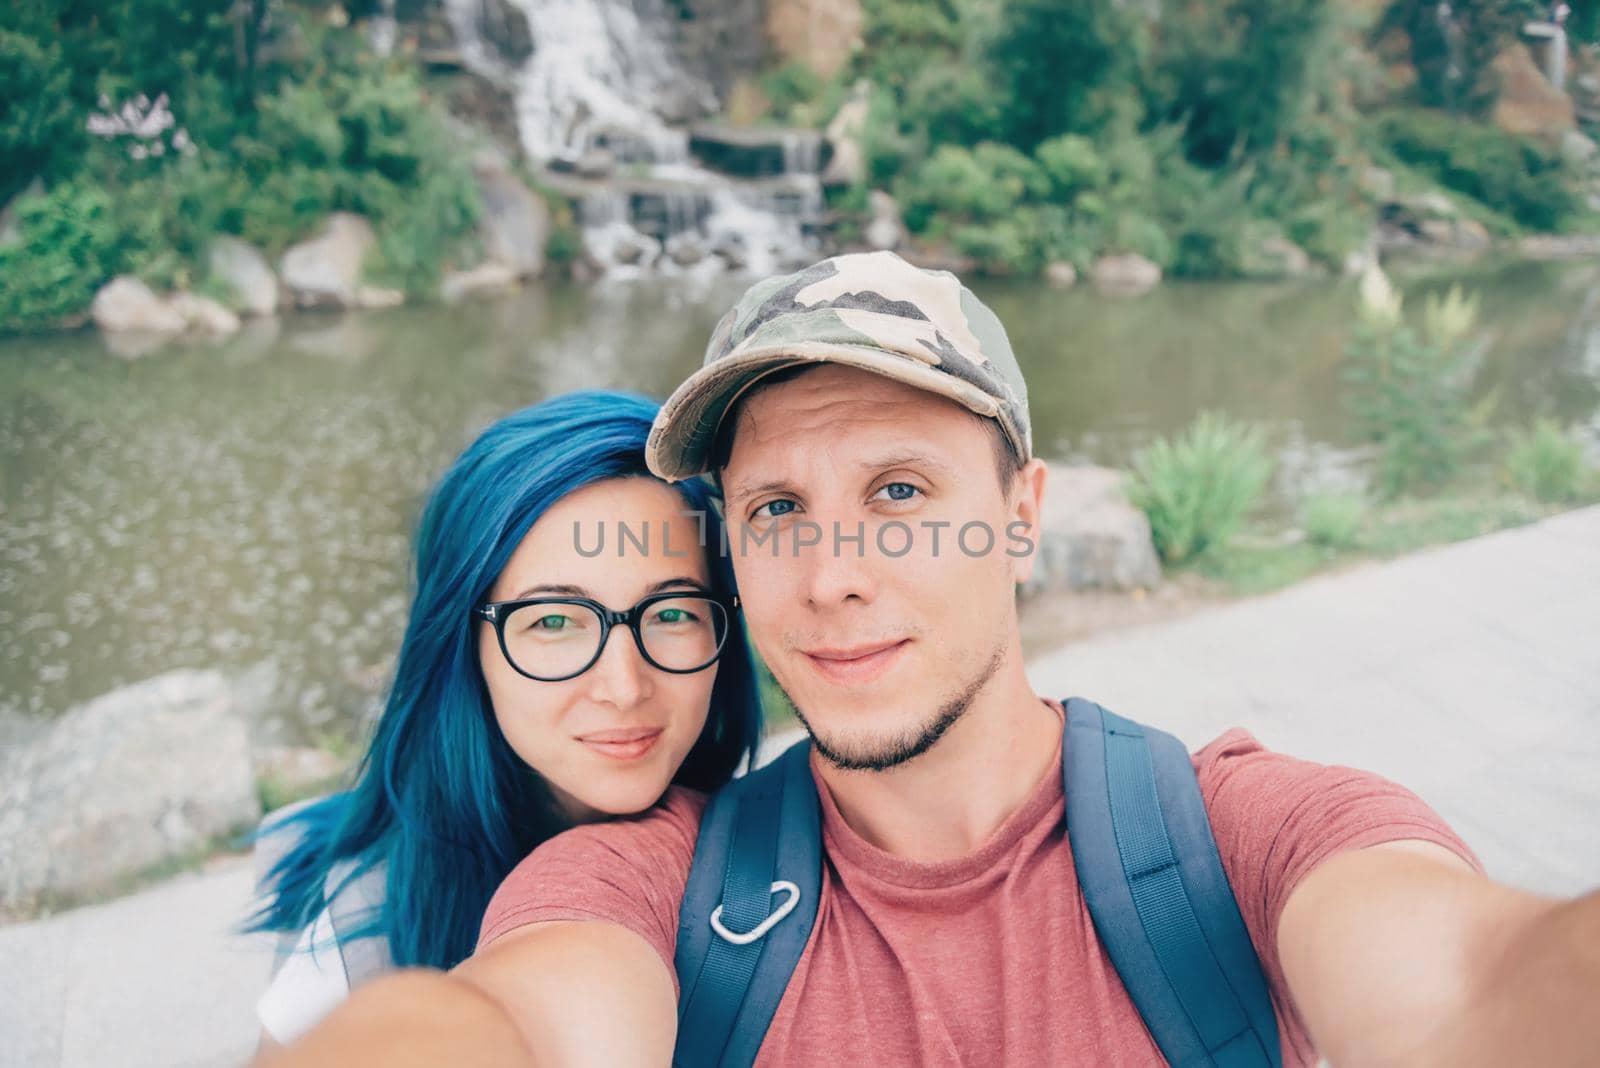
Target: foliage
[[67, 245], [791, 90], [1515, 175], [1410, 389], [1546, 463], [1453, 46], [1239, 74], [1333, 519], [1099, 43], [1197, 488], [38, 126]]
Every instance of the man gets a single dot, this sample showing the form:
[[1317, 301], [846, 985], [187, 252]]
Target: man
[[868, 424]]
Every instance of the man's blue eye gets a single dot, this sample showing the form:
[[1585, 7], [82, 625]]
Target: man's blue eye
[[774, 509], [900, 491]]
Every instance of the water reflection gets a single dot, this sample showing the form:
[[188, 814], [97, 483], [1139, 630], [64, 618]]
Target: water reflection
[[228, 504]]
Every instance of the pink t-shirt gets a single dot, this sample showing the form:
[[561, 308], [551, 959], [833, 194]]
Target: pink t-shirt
[[990, 959]]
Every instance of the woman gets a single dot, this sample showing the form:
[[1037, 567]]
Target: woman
[[512, 716]]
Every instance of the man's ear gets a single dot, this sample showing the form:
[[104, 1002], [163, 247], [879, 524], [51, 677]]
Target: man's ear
[[1025, 514]]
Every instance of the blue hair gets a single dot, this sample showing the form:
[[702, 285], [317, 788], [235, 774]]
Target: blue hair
[[440, 798]]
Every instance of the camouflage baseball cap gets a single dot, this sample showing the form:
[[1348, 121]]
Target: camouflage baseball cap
[[869, 310]]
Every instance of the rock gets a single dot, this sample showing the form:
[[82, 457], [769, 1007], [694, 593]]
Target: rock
[[596, 164], [685, 249], [145, 773], [376, 297], [485, 280], [298, 770], [516, 221], [244, 270], [1268, 254], [204, 314], [127, 305], [730, 247], [759, 151], [1527, 102], [1061, 274], [1472, 235], [1577, 149], [1125, 273], [848, 164], [885, 232], [326, 270], [1377, 182], [633, 249], [822, 34], [1559, 246], [1091, 537], [1431, 204], [9, 231]]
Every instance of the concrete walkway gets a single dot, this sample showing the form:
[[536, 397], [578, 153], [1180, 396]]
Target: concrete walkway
[[1471, 673]]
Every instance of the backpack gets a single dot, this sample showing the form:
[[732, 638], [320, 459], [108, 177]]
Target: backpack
[[1146, 861]]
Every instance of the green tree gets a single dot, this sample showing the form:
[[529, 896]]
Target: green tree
[[1452, 46], [1065, 66]]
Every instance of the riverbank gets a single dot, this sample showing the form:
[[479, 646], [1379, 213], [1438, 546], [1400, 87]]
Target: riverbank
[[1465, 672]]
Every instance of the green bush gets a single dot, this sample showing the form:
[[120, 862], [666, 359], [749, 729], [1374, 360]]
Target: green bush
[[1546, 463], [791, 90], [969, 185], [1072, 165], [1333, 519], [1409, 389], [1517, 176], [67, 246], [1197, 488]]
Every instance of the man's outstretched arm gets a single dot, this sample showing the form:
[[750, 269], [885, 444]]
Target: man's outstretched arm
[[579, 994], [1401, 954]]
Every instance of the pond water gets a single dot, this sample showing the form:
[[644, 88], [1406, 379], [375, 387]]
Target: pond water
[[251, 501]]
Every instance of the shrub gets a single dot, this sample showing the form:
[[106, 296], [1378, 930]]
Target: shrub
[[1546, 463], [1197, 488], [969, 185], [1514, 175], [67, 246], [1333, 519], [791, 90], [1071, 165], [1410, 389]]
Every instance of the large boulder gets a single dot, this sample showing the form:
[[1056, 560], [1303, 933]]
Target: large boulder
[[126, 305], [1125, 274], [204, 315], [1091, 537], [244, 270], [848, 165], [822, 34], [516, 220], [149, 772], [1528, 103], [485, 280], [325, 272]]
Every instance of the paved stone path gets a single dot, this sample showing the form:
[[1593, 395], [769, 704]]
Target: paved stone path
[[1471, 673]]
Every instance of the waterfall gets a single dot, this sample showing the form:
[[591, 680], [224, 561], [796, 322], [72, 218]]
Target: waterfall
[[602, 100]]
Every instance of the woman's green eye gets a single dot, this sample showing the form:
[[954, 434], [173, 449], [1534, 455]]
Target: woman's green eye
[[551, 622], [672, 615]]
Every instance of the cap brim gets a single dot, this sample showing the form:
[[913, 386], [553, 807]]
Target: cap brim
[[686, 428]]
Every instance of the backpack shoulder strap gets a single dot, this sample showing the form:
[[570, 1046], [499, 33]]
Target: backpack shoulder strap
[[747, 911], [1156, 889]]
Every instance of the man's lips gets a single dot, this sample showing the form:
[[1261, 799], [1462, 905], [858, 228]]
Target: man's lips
[[622, 743], [855, 665]]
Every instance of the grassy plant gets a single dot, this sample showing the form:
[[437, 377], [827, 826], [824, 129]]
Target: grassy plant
[[1409, 389], [1546, 463], [1333, 519], [1198, 488]]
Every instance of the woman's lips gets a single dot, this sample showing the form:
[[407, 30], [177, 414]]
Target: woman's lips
[[853, 667], [629, 743]]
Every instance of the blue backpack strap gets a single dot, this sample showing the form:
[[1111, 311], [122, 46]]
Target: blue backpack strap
[[747, 911], [1160, 900]]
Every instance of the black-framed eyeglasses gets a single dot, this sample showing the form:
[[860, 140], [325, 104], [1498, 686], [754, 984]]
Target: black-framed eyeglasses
[[552, 639]]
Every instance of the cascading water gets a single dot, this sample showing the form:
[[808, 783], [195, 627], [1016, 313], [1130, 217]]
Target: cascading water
[[602, 101]]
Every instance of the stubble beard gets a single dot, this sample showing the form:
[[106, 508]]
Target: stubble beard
[[881, 754]]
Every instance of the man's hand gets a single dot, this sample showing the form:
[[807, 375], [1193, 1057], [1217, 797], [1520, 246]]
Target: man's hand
[[1401, 954]]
